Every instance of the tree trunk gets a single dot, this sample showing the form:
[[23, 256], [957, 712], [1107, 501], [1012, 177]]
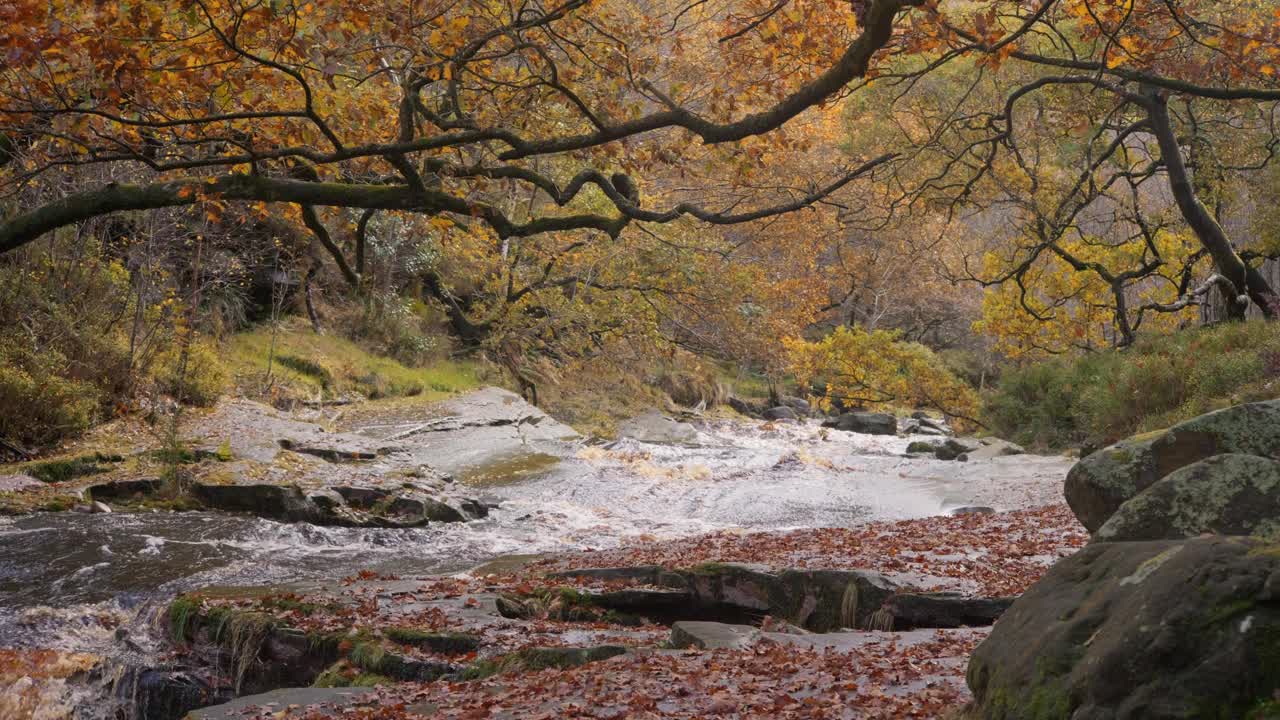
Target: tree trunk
[[1211, 235], [306, 292]]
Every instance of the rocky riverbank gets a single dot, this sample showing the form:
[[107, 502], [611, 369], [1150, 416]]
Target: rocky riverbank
[[311, 561]]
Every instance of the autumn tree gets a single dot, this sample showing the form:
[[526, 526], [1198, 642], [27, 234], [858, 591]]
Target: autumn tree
[[1142, 82]]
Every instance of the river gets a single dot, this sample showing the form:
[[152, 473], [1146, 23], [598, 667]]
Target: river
[[94, 583]]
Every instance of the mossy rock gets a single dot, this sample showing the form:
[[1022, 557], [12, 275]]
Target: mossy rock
[[1100, 483], [1156, 630], [1224, 495], [534, 659], [441, 642]]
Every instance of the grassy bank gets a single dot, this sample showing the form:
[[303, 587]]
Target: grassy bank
[[1102, 397], [298, 362]]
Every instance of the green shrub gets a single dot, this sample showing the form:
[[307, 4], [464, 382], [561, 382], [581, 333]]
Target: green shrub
[[1102, 397], [39, 406], [200, 381]]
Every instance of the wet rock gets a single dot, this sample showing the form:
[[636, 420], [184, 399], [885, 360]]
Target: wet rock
[[1154, 630], [780, 413], [1100, 483], [1224, 495], [362, 497], [713, 635], [995, 447], [120, 490], [864, 422], [98, 506], [922, 447], [953, 449], [476, 509], [164, 694], [817, 600], [909, 611], [280, 502], [326, 501], [654, 427], [415, 508]]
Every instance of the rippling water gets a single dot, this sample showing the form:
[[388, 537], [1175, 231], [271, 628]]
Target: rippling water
[[72, 581]]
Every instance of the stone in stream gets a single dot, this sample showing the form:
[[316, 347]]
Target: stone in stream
[[1224, 495], [1159, 630], [921, 447], [654, 427], [953, 449], [868, 423], [713, 635], [1098, 484]]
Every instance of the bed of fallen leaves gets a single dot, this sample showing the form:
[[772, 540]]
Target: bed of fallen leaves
[[985, 554], [995, 554], [877, 681]]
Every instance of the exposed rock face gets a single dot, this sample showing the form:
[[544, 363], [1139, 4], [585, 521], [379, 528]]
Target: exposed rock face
[[1153, 630], [867, 423], [1224, 495], [654, 427], [1100, 483]]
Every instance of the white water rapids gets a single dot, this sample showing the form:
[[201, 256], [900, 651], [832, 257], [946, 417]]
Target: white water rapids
[[85, 582]]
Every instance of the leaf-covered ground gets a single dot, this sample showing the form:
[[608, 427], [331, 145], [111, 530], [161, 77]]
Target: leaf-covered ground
[[996, 554], [867, 675]]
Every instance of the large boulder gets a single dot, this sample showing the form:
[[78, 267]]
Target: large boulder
[[868, 423], [654, 427], [1224, 495], [1101, 482], [1152, 630]]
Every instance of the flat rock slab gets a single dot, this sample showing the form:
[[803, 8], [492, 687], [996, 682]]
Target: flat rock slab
[[713, 635], [481, 428], [655, 428], [321, 702], [255, 431]]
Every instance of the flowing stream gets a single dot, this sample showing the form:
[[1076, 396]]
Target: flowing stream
[[95, 583]]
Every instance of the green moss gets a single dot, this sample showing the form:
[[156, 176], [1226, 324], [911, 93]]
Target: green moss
[[1226, 612], [64, 469], [183, 611], [534, 659]]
